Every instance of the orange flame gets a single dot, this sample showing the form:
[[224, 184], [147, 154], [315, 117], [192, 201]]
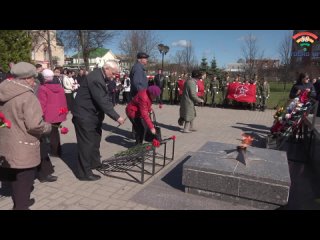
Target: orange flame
[[246, 140]]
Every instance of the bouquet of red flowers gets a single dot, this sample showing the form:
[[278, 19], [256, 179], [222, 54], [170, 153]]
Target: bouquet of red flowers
[[4, 122], [63, 130]]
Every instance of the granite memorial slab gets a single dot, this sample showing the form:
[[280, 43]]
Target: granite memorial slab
[[262, 180]]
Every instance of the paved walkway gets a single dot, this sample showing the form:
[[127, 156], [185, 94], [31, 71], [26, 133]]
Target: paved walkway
[[213, 124]]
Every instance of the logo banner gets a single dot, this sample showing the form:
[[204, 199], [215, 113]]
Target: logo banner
[[242, 92]]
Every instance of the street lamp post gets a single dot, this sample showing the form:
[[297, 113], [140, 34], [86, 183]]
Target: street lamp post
[[163, 49]]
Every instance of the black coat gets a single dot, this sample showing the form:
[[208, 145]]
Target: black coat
[[159, 79], [301, 86], [93, 99]]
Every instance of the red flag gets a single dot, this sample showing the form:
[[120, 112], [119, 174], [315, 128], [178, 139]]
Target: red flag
[[242, 92]]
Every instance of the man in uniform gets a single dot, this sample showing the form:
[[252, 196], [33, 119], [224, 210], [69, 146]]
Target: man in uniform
[[214, 87], [224, 89], [159, 81], [172, 86], [263, 93]]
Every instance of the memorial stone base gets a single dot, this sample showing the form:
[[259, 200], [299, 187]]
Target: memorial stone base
[[263, 181]]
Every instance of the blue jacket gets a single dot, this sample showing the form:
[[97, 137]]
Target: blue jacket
[[138, 78]]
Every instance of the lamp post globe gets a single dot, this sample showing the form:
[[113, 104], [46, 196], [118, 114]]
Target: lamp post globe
[[163, 49]]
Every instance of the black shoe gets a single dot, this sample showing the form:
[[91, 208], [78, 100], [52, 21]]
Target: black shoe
[[97, 167], [180, 121], [31, 202], [92, 177], [49, 178]]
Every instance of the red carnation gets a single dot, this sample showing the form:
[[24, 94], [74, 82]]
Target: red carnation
[[2, 117], [173, 137], [148, 148], [304, 96], [155, 143], [4, 122], [7, 123], [276, 127], [64, 130], [63, 110]]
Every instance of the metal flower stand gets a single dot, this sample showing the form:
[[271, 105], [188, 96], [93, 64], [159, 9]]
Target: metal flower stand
[[138, 161]]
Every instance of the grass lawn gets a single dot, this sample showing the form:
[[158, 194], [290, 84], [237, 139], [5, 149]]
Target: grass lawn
[[278, 96]]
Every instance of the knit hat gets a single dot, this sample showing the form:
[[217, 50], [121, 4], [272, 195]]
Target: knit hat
[[154, 90], [24, 70], [47, 75]]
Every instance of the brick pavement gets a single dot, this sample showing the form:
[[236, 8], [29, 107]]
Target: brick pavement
[[213, 124]]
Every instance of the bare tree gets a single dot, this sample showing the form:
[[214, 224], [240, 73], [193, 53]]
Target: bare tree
[[285, 48], [178, 59], [86, 41], [135, 41], [189, 57], [251, 53], [43, 38], [186, 58]]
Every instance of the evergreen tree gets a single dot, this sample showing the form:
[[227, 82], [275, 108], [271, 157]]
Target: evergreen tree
[[213, 66], [204, 65], [15, 46]]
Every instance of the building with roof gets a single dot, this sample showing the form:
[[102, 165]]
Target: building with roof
[[97, 57], [40, 48], [235, 67]]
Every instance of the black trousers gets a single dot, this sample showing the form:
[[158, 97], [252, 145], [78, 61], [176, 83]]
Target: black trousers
[[88, 141], [70, 101], [140, 129], [126, 97], [55, 144], [21, 182], [45, 168]]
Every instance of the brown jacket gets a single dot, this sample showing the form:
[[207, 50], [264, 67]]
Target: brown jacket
[[20, 145]]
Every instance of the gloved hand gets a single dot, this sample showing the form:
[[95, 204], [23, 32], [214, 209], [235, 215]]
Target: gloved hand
[[267, 96]]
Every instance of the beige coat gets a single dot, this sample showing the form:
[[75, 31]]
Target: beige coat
[[20, 145], [188, 99]]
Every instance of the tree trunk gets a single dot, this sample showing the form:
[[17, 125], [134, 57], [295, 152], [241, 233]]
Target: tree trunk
[[86, 58], [49, 50], [85, 50]]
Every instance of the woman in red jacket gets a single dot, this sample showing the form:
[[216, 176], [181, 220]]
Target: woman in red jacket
[[200, 88], [138, 112]]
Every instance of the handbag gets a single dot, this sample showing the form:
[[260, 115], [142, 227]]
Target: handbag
[[148, 137]]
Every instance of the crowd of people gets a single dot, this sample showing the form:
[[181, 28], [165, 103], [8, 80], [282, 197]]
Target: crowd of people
[[37, 101]]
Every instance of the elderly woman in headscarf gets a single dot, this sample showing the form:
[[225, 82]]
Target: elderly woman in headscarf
[[54, 106], [19, 145], [138, 112]]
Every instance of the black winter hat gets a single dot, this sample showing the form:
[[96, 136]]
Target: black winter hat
[[142, 55]]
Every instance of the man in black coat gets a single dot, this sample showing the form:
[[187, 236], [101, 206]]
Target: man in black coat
[[91, 103], [159, 81]]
